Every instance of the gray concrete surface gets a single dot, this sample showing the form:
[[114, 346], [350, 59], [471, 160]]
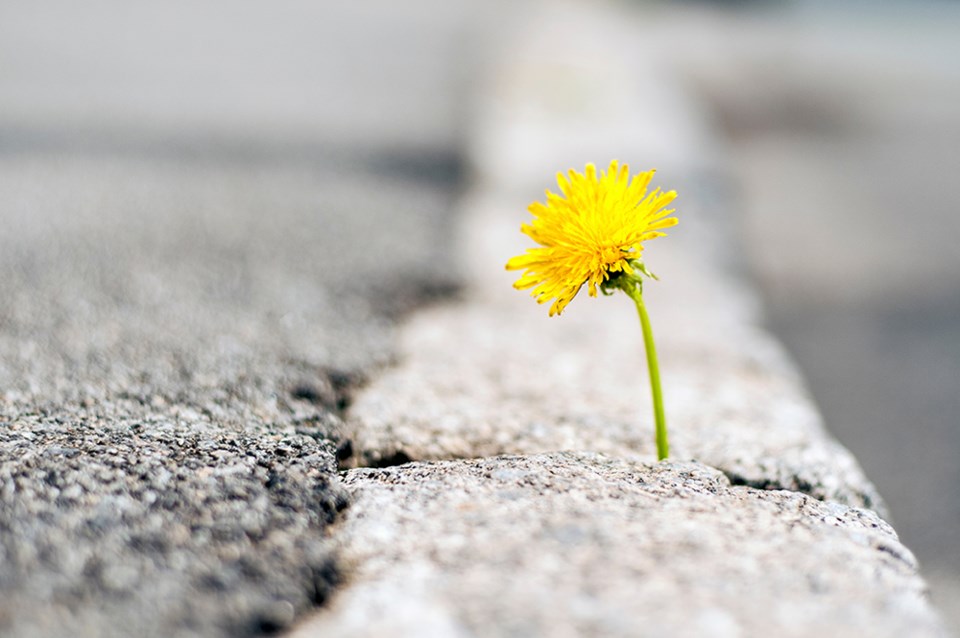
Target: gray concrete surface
[[177, 342], [576, 544], [210, 218]]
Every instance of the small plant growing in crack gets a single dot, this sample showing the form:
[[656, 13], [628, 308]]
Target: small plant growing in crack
[[593, 234]]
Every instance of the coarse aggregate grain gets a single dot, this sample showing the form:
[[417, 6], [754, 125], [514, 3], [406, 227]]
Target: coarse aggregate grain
[[178, 340], [208, 229]]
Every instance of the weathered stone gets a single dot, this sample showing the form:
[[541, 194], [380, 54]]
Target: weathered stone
[[577, 544]]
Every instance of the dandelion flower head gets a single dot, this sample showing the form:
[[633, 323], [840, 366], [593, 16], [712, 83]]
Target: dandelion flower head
[[590, 233]]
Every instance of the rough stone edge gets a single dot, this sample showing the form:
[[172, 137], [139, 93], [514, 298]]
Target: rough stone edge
[[400, 587]]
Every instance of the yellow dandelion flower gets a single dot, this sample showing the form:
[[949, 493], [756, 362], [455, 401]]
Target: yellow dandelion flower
[[594, 231], [593, 234]]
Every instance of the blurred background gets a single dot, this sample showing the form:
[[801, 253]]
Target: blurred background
[[292, 153], [842, 126]]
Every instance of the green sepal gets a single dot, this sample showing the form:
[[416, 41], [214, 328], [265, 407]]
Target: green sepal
[[639, 266]]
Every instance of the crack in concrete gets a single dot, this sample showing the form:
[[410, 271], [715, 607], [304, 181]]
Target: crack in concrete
[[796, 484]]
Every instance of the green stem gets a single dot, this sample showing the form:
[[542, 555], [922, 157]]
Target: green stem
[[663, 447]]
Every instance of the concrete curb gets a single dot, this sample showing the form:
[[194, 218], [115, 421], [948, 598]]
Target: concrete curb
[[567, 544], [576, 544]]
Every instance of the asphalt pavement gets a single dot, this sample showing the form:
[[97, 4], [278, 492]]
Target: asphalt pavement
[[211, 219]]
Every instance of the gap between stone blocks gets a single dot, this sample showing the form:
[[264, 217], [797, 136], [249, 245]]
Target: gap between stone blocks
[[360, 458]]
